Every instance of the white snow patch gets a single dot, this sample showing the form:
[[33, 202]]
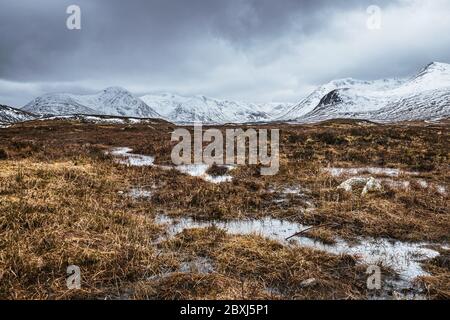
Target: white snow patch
[[402, 184], [422, 183], [348, 185], [337, 172], [132, 159], [139, 193], [371, 186], [199, 170], [442, 190]]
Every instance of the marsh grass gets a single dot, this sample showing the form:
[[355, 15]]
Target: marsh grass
[[63, 201]]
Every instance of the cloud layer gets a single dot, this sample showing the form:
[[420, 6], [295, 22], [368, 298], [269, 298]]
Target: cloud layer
[[254, 50]]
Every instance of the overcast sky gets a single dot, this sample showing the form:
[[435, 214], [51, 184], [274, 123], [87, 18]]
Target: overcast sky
[[251, 50]]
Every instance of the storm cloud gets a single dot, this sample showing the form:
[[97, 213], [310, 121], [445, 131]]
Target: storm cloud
[[254, 50]]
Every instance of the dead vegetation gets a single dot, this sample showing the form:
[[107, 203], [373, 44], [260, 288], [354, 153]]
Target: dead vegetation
[[250, 267], [62, 202], [438, 283]]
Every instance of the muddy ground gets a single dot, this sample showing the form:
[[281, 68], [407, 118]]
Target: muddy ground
[[69, 196]]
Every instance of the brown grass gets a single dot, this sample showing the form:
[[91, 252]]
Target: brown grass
[[63, 201], [262, 267], [438, 283]]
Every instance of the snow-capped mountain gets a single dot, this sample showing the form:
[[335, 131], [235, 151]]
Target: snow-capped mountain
[[9, 115], [185, 109], [172, 107], [112, 101], [422, 97], [313, 100], [428, 105], [274, 109]]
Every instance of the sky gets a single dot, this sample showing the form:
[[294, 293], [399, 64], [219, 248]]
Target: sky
[[247, 50]]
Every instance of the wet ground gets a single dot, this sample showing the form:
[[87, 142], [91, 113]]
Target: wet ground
[[404, 258]]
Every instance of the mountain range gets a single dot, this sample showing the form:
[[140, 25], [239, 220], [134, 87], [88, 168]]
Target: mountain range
[[183, 109], [424, 96]]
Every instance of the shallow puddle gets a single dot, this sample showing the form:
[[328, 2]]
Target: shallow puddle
[[124, 156], [199, 170], [402, 257], [131, 159]]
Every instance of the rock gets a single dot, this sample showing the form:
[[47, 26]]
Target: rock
[[370, 184]]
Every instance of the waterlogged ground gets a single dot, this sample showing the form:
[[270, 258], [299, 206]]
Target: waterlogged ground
[[404, 258], [106, 197]]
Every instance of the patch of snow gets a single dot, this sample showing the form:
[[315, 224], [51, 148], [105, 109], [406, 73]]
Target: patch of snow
[[138, 193], [348, 185], [402, 184], [371, 186], [293, 190], [442, 190], [337, 172], [199, 170], [98, 119], [131, 159], [422, 183]]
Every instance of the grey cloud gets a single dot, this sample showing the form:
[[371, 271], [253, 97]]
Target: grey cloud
[[238, 49]]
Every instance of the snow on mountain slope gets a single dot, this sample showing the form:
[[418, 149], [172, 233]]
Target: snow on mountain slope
[[274, 109], [424, 96], [113, 101], [428, 105], [184, 109], [9, 115], [58, 104], [312, 101], [435, 75]]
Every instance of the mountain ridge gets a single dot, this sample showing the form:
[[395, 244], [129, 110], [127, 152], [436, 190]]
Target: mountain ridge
[[428, 90], [114, 101], [10, 115], [184, 109], [423, 96]]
